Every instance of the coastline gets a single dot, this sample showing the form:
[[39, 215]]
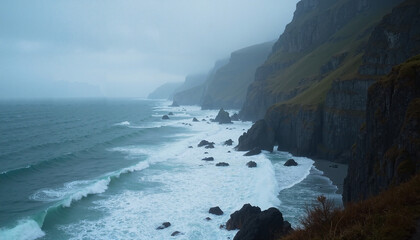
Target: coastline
[[336, 174]]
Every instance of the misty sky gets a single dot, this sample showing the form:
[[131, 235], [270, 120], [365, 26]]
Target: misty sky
[[124, 48]]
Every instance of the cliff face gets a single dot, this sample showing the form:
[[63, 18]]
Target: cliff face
[[228, 87], [387, 151], [336, 81], [165, 91]]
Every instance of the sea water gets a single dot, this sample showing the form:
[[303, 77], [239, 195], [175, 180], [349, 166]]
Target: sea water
[[113, 169]]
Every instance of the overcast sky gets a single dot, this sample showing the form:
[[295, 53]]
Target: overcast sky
[[124, 48]]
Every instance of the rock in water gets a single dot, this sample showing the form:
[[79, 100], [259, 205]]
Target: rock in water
[[235, 117], [228, 142], [269, 224], [260, 135], [165, 117], [222, 164], [205, 143], [211, 145], [216, 211], [195, 120], [290, 163], [171, 114], [253, 152], [251, 164], [176, 233], [238, 218], [208, 159], [174, 104], [164, 225], [223, 117]]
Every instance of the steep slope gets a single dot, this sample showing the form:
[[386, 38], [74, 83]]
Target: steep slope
[[322, 93], [192, 81], [388, 149], [165, 91], [228, 87]]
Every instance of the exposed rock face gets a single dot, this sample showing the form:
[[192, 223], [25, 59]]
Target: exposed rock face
[[253, 152], [260, 135], [175, 104], [255, 225], [216, 211], [327, 125], [195, 120], [235, 117], [388, 148], [228, 142], [290, 163], [222, 117]]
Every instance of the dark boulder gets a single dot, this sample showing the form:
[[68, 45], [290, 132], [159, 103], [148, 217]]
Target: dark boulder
[[235, 117], [223, 117], [190, 146], [260, 135], [208, 159], [238, 218], [174, 104], [164, 225], [165, 117], [216, 211], [253, 152], [207, 219], [228, 142], [290, 163], [211, 145], [176, 233], [171, 114], [195, 120], [255, 225], [251, 164], [222, 164], [204, 143]]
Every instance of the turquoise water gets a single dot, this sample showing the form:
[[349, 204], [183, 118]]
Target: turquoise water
[[113, 169]]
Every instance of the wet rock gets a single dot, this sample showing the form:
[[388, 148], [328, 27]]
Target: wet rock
[[195, 120], [235, 117], [260, 135], [228, 142], [164, 225], [165, 117], [176, 233], [216, 211], [238, 218], [222, 164], [171, 114], [207, 219], [211, 145], [251, 164], [204, 143], [190, 146], [290, 163], [223, 117], [208, 159], [253, 152]]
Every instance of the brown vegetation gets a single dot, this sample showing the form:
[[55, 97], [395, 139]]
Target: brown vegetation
[[392, 215]]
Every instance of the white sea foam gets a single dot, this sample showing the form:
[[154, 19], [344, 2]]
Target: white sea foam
[[26, 229], [125, 123], [187, 188]]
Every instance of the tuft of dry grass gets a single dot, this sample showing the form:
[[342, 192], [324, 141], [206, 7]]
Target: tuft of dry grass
[[391, 215]]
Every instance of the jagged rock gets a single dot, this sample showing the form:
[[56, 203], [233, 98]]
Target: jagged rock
[[171, 114], [223, 117], [238, 218], [222, 164], [164, 225], [228, 142], [205, 143], [208, 159], [251, 164], [174, 104], [207, 219], [235, 117], [290, 163], [253, 152], [216, 211], [176, 233], [260, 135], [165, 117], [195, 120], [211, 145], [254, 224]]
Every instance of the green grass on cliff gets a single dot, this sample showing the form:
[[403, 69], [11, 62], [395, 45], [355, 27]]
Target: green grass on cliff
[[393, 214], [305, 74]]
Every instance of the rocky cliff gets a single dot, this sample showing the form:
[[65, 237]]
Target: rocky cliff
[[320, 99], [165, 91], [387, 151]]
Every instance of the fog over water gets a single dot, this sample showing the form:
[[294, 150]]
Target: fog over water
[[125, 48]]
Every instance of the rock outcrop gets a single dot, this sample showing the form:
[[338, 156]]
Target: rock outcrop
[[290, 163], [216, 211], [222, 117], [260, 135], [387, 151], [254, 224]]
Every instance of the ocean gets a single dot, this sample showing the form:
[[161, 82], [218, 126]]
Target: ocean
[[113, 169]]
